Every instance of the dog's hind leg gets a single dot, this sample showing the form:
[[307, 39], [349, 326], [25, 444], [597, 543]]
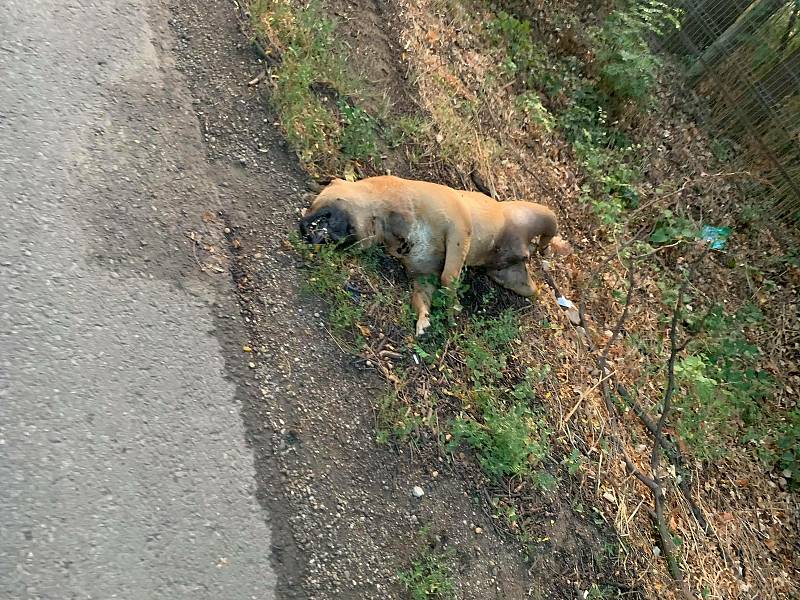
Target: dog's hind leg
[[421, 302], [515, 278]]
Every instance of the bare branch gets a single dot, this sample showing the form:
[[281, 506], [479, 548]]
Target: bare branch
[[666, 404], [622, 317]]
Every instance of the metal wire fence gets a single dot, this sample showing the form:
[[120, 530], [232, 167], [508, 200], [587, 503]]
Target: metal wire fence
[[745, 55]]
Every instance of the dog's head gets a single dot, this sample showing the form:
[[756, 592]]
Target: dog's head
[[333, 217], [328, 224]]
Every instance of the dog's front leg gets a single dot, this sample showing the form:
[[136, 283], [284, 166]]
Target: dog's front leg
[[456, 250], [421, 302]]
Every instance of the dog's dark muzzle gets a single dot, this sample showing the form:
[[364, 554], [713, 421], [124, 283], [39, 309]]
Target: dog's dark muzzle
[[314, 230], [328, 226]]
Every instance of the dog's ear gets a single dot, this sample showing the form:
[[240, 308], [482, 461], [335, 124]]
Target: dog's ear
[[510, 249]]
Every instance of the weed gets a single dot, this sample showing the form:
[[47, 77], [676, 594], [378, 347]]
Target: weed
[[525, 59], [723, 149], [722, 390], [445, 306], [787, 443], [331, 280], [791, 259], [332, 274], [453, 116], [429, 577], [545, 481], [508, 442], [573, 461], [408, 129], [626, 71], [627, 67], [530, 103], [604, 154], [602, 592], [395, 420], [484, 345], [359, 139], [670, 228]]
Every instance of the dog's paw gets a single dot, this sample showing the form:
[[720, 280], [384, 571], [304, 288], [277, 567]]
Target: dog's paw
[[422, 325]]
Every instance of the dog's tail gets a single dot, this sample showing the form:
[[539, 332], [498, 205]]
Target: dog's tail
[[557, 244]]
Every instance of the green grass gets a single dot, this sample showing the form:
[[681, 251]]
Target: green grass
[[626, 67], [328, 276], [508, 437], [338, 276], [559, 94], [313, 93], [524, 58], [509, 440], [429, 577], [395, 420]]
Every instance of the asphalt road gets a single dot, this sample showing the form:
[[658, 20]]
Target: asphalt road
[[124, 471]]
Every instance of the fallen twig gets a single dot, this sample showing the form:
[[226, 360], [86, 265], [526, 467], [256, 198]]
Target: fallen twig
[[257, 78], [653, 483]]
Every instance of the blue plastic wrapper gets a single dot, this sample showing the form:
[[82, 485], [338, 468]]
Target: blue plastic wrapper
[[718, 236]]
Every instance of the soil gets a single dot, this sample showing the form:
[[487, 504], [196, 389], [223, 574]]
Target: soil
[[343, 516]]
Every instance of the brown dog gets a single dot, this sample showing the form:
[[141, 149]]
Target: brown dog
[[433, 229]]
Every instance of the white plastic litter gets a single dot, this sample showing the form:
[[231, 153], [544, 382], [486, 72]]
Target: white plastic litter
[[564, 302]]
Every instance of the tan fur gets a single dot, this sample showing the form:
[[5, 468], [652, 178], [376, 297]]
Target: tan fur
[[434, 229]]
